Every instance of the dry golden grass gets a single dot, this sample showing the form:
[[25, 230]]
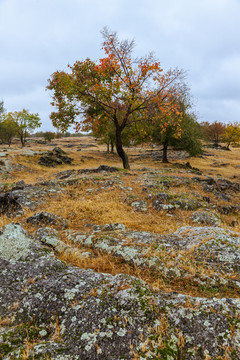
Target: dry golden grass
[[211, 165], [104, 206], [108, 207]]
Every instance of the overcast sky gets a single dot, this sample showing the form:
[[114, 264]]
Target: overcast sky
[[38, 37]]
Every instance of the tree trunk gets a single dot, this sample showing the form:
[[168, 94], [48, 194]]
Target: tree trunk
[[22, 140], [108, 148], [112, 147], [120, 150], [164, 156]]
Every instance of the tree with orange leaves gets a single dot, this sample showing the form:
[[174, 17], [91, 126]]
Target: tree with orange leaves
[[213, 131], [117, 89]]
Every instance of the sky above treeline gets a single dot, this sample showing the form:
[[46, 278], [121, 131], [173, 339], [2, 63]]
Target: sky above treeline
[[38, 37]]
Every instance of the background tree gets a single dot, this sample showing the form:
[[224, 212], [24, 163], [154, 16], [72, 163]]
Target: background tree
[[104, 130], [49, 136], [107, 136], [8, 129], [213, 132], [25, 122], [191, 136], [188, 138], [118, 87], [231, 134], [38, 134], [2, 110]]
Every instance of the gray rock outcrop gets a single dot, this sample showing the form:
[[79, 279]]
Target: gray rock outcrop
[[51, 310]]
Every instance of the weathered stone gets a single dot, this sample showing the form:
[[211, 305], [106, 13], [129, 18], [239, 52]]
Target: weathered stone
[[9, 204], [47, 218], [109, 227], [229, 209], [68, 313], [32, 196], [50, 237], [55, 157], [99, 169], [218, 249], [206, 180], [158, 205], [205, 218], [19, 185], [58, 150], [224, 184], [187, 204]]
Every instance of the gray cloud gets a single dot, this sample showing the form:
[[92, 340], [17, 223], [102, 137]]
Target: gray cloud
[[38, 37]]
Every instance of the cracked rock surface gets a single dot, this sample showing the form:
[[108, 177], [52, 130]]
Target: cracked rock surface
[[52, 310]]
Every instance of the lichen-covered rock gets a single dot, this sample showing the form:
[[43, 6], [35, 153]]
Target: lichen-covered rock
[[207, 256], [109, 227], [205, 218], [32, 196], [50, 237], [51, 310]]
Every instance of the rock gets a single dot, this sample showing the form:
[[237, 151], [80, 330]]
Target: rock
[[109, 227], [162, 197], [188, 166], [58, 150], [158, 205], [220, 184], [228, 209], [69, 313], [99, 169], [9, 204], [222, 196], [107, 168], [51, 238], [224, 184], [139, 205], [180, 203], [19, 185], [205, 218], [3, 154], [206, 180], [55, 157], [187, 204], [32, 196], [218, 249], [14, 243], [47, 218]]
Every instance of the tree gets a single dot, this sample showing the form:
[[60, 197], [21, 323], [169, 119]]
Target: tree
[[2, 110], [8, 129], [49, 135], [38, 134], [25, 121], [117, 89], [106, 135], [187, 139], [191, 136], [213, 132], [231, 134]]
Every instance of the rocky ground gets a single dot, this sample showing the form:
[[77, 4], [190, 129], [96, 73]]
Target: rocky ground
[[101, 263]]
